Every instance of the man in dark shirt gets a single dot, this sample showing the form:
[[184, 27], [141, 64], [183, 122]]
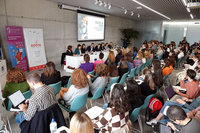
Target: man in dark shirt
[[125, 42], [178, 116], [91, 48]]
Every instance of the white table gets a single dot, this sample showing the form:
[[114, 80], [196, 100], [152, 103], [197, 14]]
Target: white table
[[75, 61]]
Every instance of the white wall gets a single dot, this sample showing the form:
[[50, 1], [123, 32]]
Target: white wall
[[59, 25], [149, 30]]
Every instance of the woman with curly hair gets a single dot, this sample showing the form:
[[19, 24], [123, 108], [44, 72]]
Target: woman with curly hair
[[16, 80], [117, 114], [100, 81], [79, 86], [50, 74]]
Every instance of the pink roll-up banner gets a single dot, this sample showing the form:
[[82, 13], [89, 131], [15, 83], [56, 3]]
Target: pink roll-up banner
[[16, 47]]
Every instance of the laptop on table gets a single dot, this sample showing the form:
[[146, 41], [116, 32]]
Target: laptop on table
[[16, 99], [171, 95]]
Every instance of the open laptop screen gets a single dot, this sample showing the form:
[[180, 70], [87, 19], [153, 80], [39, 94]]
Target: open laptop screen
[[169, 92], [16, 98]]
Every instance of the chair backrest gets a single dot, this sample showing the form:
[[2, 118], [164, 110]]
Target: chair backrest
[[143, 66], [179, 60], [138, 69], [78, 102], [134, 115], [56, 87], [123, 79], [164, 78], [112, 82], [118, 64], [150, 62], [92, 73], [26, 94], [98, 93], [132, 73], [69, 82], [160, 57], [146, 101]]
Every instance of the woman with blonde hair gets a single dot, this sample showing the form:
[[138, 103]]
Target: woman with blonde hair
[[81, 123], [124, 52], [148, 87], [138, 61], [111, 58], [16, 80], [147, 54]]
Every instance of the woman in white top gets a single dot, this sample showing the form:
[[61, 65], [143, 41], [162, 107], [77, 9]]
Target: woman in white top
[[181, 54], [160, 51], [79, 86], [195, 59]]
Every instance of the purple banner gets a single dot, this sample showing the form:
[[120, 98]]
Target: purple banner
[[16, 47]]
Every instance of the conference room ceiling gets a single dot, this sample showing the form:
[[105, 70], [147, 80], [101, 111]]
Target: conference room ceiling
[[174, 9]]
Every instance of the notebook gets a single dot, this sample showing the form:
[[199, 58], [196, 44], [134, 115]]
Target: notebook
[[171, 95], [94, 112], [16, 99]]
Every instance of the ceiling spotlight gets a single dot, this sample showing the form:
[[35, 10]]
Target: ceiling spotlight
[[138, 15], [96, 2], [132, 13], [105, 4], [100, 3], [125, 11], [109, 5]]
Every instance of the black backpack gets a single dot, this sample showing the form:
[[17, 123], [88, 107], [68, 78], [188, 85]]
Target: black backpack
[[64, 80]]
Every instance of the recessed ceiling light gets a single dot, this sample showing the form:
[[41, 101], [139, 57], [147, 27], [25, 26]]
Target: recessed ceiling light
[[105, 4], [96, 2], [132, 13], [139, 8], [150, 9], [125, 11], [138, 15], [100, 3]]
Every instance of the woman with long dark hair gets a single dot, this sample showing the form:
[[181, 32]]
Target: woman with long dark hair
[[167, 69], [158, 76], [117, 114], [50, 74], [148, 86]]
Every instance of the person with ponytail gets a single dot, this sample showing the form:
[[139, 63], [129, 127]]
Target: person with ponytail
[[148, 86]]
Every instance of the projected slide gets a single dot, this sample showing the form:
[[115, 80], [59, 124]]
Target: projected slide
[[90, 27]]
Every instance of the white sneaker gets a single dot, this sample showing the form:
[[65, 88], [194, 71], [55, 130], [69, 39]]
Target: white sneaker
[[151, 122]]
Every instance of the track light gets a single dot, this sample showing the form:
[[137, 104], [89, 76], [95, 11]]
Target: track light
[[100, 3], [125, 11], [191, 16], [96, 2], [188, 9], [132, 13], [138, 15], [109, 5], [105, 4]]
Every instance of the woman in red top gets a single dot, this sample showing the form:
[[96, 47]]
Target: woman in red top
[[192, 85]]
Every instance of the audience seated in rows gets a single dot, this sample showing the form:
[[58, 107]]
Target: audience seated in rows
[[79, 86], [123, 68], [133, 91], [100, 81], [130, 62], [87, 66], [118, 56], [50, 74], [16, 80], [168, 67], [111, 58], [101, 55], [116, 115], [148, 86], [137, 62]]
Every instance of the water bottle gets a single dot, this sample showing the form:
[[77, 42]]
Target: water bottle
[[53, 126]]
